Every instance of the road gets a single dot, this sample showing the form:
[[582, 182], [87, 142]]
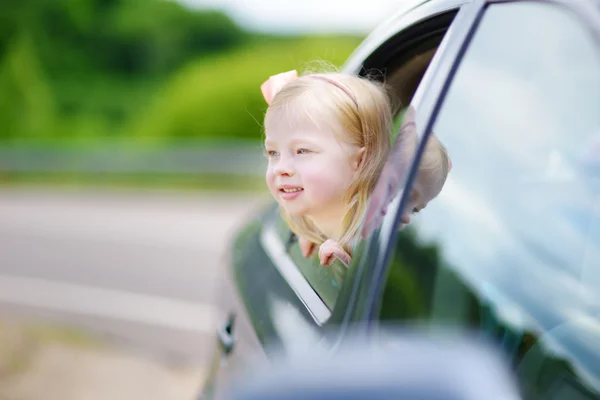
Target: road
[[137, 267]]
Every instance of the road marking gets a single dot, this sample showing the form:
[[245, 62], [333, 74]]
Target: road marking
[[203, 227], [108, 303], [153, 230]]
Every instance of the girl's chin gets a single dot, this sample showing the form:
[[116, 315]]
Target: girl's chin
[[295, 211]]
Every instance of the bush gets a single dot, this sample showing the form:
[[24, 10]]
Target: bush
[[26, 103], [220, 97]]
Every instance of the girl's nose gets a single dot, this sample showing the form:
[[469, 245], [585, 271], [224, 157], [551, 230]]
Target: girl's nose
[[284, 167]]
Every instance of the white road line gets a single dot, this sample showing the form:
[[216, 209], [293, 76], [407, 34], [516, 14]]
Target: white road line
[[108, 303], [206, 226], [189, 232]]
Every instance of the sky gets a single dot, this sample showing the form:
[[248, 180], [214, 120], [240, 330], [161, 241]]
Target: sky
[[299, 16]]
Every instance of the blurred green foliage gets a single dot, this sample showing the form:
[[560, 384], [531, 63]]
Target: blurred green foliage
[[82, 71], [220, 96]]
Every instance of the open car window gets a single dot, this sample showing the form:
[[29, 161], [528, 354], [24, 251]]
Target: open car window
[[402, 64]]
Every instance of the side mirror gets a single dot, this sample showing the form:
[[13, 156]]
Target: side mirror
[[402, 366]]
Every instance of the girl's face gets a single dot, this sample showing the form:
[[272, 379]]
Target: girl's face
[[309, 170]]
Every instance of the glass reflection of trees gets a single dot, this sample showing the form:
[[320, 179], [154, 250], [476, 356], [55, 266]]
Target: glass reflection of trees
[[421, 289]]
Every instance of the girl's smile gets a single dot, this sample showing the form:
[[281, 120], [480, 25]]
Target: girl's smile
[[290, 192]]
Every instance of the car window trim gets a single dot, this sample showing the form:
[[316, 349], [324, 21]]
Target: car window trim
[[276, 251]]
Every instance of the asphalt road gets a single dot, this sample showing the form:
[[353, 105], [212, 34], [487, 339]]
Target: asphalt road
[[137, 267]]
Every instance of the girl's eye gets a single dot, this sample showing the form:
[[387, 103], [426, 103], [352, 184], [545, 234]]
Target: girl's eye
[[303, 151], [271, 153]]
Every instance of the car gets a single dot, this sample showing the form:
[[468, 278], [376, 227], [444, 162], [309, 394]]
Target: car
[[511, 246], [414, 367]]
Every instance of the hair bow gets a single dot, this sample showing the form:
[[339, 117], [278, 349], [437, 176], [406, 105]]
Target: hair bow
[[274, 84]]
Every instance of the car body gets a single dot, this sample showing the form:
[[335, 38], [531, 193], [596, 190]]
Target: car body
[[510, 248]]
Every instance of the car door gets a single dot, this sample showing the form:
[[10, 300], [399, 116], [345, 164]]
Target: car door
[[511, 247], [273, 296]]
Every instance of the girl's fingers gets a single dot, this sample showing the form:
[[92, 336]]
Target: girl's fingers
[[345, 257], [325, 254], [307, 248], [329, 250]]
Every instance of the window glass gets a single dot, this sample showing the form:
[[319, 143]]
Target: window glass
[[511, 246]]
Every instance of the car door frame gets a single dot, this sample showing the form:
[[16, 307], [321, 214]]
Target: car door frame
[[428, 107]]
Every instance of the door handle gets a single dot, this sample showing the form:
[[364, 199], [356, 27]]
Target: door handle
[[226, 335]]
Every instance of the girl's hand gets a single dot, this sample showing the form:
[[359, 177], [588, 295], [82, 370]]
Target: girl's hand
[[307, 248], [331, 249]]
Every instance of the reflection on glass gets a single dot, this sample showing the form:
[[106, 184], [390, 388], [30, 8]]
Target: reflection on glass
[[512, 245], [433, 171], [393, 173]]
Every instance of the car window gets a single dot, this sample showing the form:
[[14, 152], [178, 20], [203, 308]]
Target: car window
[[511, 246], [402, 64]]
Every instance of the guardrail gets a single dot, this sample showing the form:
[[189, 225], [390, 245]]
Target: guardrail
[[243, 160]]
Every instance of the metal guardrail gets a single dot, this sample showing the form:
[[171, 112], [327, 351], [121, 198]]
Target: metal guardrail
[[237, 160]]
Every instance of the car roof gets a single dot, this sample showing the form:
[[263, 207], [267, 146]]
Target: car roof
[[393, 24]]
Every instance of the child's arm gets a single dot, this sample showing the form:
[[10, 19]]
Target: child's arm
[[331, 249]]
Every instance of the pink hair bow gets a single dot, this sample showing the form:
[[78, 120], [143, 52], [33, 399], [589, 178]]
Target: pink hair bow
[[274, 84]]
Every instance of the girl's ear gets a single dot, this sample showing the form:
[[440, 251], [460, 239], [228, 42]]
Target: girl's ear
[[359, 158]]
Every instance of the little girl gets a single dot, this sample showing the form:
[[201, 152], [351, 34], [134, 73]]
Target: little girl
[[327, 140]]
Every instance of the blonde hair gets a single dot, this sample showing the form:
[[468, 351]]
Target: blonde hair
[[358, 111]]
